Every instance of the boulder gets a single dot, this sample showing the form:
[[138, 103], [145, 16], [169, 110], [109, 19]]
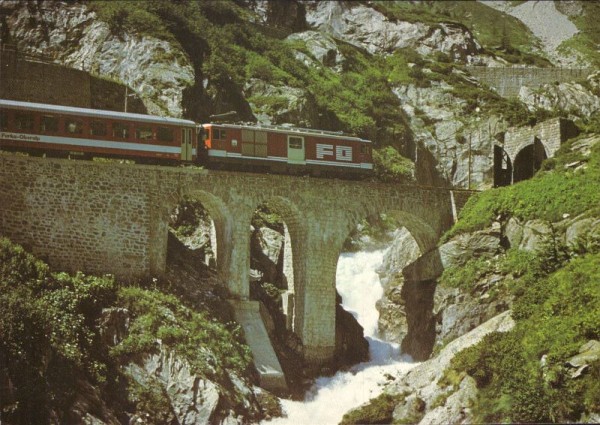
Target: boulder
[[514, 232], [535, 232], [322, 47], [351, 347], [464, 247], [588, 353], [410, 410], [193, 399], [114, 325], [456, 408]]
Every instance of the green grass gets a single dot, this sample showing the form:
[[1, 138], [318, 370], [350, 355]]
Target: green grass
[[378, 411]]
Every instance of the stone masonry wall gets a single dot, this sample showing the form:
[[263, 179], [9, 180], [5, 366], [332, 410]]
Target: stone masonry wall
[[76, 218], [32, 81], [551, 133], [508, 81]]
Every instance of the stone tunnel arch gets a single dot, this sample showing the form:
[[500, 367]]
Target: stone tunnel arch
[[529, 160]]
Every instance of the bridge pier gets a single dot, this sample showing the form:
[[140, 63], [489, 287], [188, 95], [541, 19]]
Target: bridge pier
[[316, 297], [236, 265]]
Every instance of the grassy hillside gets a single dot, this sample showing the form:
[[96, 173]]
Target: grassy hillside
[[587, 40], [522, 375]]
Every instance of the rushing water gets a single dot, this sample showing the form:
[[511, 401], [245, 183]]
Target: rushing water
[[331, 397]]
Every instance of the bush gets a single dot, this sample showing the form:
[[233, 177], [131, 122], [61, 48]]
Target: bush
[[390, 166], [378, 411]]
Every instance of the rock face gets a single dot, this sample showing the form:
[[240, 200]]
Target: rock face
[[322, 47], [571, 98], [367, 28], [192, 399], [279, 104], [266, 246], [71, 35], [424, 399], [460, 149], [404, 250]]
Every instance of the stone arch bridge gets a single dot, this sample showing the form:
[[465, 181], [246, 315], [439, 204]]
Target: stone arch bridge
[[113, 218]]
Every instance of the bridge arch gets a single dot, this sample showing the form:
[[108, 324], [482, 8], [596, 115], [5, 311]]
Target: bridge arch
[[221, 217], [294, 237], [424, 234], [503, 167]]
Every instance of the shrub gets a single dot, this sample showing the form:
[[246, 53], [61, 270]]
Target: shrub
[[378, 411], [390, 166]]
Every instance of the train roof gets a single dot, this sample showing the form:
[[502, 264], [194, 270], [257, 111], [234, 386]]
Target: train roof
[[296, 130], [42, 107]]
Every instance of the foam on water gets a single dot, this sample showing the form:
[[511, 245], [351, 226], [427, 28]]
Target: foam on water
[[331, 397]]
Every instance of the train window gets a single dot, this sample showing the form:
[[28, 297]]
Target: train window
[[219, 134], [3, 121], [165, 134], [24, 121], [295, 142], [144, 133], [73, 126], [49, 124], [98, 128], [120, 131], [205, 133]]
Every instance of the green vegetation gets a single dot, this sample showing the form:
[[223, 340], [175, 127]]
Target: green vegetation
[[189, 215], [556, 312], [266, 217], [522, 374], [51, 340], [378, 411], [547, 196], [210, 347], [391, 166]]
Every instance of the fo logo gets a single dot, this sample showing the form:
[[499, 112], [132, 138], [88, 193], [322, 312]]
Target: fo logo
[[341, 153]]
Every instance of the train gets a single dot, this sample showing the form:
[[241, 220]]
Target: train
[[81, 132]]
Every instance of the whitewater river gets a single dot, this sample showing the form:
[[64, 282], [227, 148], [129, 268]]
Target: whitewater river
[[330, 397]]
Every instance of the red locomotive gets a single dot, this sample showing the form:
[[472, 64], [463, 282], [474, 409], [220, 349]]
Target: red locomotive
[[62, 131], [287, 149]]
